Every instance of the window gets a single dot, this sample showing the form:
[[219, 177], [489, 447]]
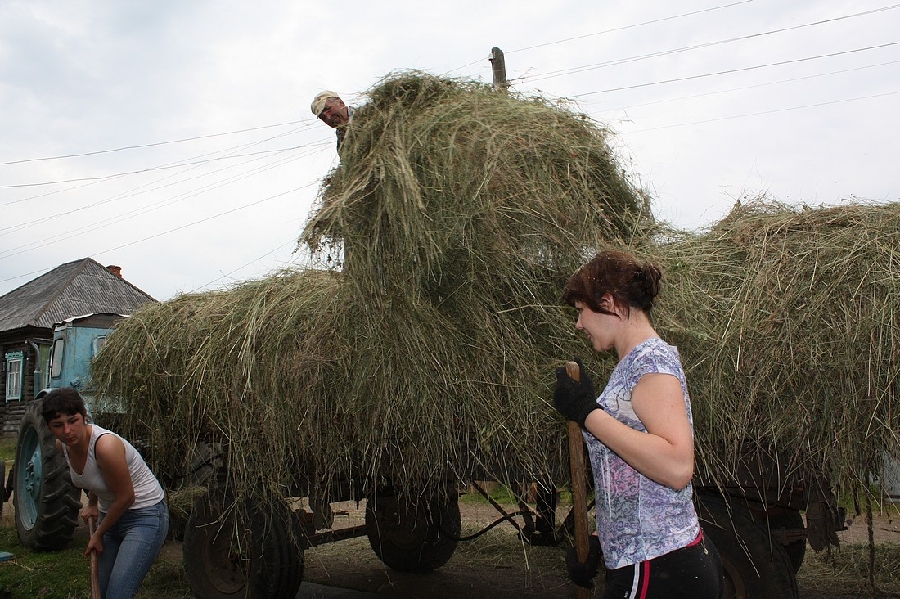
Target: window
[[56, 358], [15, 363], [98, 344]]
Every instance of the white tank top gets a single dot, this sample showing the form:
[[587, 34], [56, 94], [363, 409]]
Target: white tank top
[[147, 490]]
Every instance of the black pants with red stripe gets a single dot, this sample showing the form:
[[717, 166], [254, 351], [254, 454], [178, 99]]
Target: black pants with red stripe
[[692, 572]]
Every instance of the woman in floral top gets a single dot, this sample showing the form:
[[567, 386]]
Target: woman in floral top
[[640, 439]]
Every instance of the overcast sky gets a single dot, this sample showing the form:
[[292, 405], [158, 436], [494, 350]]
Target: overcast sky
[[174, 138]]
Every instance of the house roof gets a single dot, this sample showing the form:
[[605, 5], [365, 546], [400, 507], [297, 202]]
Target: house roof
[[71, 289]]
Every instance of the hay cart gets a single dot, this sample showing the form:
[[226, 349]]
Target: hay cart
[[417, 356]]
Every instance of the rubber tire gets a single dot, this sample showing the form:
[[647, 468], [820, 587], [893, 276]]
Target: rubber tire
[[273, 566], [45, 500], [413, 536], [754, 567], [791, 520], [207, 469]]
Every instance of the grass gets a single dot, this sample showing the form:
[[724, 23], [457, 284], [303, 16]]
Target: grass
[[847, 569], [66, 574], [499, 554], [8, 449]]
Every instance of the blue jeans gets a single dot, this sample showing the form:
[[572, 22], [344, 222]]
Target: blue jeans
[[129, 549]]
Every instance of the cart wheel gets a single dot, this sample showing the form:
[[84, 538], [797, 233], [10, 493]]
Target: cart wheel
[[413, 535], [45, 500], [225, 559], [754, 567], [791, 520]]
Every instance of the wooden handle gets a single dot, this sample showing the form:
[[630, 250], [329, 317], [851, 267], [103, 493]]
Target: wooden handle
[[579, 489], [95, 572]]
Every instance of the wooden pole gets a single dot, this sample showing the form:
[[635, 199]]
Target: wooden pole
[[95, 572], [579, 489], [498, 68]]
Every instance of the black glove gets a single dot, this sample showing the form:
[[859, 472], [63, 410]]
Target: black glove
[[574, 399], [583, 574]]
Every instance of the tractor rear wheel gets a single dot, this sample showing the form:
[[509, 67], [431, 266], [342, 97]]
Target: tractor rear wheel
[[45, 500]]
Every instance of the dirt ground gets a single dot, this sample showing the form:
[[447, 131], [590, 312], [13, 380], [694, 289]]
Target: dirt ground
[[498, 565]]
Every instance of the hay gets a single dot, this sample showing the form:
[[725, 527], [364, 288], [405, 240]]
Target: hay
[[226, 367], [787, 319], [424, 349], [451, 224]]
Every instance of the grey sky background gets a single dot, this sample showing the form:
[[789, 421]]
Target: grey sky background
[[175, 140]]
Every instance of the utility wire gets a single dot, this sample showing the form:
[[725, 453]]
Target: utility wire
[[158, 168], [743, 88], [767, 112], [143, 189], [228, 274], [634, 26], [118, 219], [780, 63], [640, 57], [160, 204], [195, 159], [173, 230], [304, 122], [613, 30]]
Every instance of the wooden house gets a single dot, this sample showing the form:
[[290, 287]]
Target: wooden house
[[29, 313]]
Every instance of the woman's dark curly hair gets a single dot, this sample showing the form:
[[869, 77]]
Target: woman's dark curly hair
[[65, 401], [632, 284]]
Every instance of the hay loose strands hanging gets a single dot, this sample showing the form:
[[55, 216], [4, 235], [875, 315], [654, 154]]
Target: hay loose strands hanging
[[788, 321], [426, 355]]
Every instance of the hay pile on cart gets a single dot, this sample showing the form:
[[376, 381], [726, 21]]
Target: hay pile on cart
[[789, 325], [417, 350], [422, 346]]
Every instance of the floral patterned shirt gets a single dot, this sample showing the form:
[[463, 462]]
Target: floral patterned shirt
[[637, 518]]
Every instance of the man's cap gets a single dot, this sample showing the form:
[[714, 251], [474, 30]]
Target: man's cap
[[318, 103]]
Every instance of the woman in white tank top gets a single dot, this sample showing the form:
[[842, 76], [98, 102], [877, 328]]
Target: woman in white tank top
[[123, 494]]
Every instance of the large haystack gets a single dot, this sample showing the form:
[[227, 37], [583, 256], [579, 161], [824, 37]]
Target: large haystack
[[788, 323], [456, 214]]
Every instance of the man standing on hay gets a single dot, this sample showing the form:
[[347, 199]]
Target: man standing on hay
[[329, 107]]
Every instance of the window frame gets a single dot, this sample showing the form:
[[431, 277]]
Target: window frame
[[15, 375]]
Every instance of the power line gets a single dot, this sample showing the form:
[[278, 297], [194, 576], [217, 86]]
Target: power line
[[613, 30], [141, 190], [304, 122], [239, 268], [147, 187], [634, 26], [94, 226], [160, 167], [746, 87], [767, 112], [172, 230], [195, 159], [637, 58], [780, 63]]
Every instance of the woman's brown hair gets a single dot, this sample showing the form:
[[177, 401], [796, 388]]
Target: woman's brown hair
[[632, 284]]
